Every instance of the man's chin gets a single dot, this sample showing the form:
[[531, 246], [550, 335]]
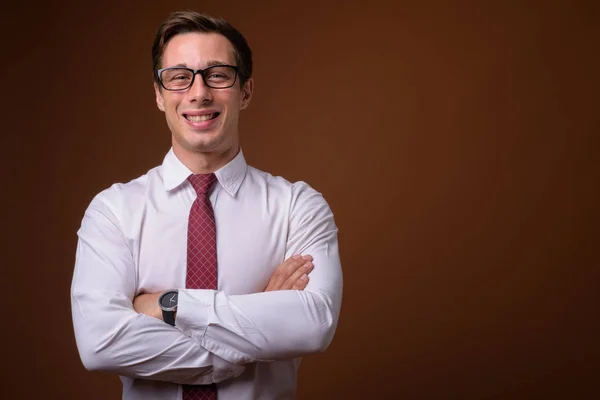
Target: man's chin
[[207, 144], [202, 139]]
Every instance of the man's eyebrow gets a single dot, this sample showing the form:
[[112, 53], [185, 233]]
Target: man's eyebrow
[[209, 63], [215, 62]]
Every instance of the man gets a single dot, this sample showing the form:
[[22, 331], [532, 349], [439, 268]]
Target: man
[[192, 280]]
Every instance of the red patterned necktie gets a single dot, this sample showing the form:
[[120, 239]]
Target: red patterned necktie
[[201, 259]]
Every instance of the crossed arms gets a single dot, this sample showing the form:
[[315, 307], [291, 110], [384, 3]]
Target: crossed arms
[[215, 334]]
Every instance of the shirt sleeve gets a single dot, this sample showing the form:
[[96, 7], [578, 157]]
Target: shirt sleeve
[[110, 335], [280, 324]]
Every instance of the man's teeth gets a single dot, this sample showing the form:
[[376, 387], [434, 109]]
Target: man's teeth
[[200, 118]]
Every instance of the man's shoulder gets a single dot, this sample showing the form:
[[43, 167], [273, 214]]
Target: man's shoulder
[[299, 192], [122, 195], [261, 177]]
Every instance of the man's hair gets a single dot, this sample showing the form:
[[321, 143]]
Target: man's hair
[[190, 21]]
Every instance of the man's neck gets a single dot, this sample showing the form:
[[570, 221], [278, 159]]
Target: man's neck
[[205, 163]]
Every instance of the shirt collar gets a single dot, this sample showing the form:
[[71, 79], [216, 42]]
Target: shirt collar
[[230, 176]]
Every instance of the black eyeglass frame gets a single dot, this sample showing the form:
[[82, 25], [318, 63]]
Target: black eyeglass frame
[[198, 71]]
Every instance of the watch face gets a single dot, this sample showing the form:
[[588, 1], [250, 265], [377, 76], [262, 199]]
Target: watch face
[[169, 299]]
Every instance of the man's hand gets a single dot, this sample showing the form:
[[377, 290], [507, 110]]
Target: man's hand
[[292, 274], [147, 303]]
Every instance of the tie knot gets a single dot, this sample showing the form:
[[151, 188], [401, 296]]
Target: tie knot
[[202, 183]]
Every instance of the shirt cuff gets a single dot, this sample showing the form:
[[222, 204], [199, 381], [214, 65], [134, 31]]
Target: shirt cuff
[[193, 311]]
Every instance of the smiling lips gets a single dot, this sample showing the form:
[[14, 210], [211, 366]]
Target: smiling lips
[[201, 118]]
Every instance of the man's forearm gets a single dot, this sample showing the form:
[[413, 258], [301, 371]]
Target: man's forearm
[[267, 326], [117, 339], [263, 326]]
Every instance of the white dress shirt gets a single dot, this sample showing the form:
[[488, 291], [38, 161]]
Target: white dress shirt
[[133, 239]]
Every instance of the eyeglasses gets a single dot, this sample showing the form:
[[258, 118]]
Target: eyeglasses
[[181, 78]]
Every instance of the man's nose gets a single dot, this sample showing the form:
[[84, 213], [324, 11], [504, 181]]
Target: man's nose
[[199, 91]]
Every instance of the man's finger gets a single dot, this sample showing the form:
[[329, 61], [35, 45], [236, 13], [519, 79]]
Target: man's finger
[[295, 262], [301, 283], [303, 270], [285, 270]]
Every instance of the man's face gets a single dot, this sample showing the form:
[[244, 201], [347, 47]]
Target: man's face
[[187, 111]]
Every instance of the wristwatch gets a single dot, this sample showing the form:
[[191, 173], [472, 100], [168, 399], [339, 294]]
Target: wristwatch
[[168, 304]]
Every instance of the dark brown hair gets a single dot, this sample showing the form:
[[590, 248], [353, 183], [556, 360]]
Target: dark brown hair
[[191, 21]]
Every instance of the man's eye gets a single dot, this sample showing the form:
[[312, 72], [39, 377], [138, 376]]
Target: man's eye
[[216, 76], [180, 78]]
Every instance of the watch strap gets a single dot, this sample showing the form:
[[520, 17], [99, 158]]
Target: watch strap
[[169, 317]]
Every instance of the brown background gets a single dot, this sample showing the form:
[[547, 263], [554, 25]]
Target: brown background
[[457, 145]]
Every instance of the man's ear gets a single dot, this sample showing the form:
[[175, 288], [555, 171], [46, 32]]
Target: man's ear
[[159, 99], [247, 93]]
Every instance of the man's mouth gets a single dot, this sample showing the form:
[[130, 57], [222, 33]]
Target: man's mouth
[[201, 118]]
